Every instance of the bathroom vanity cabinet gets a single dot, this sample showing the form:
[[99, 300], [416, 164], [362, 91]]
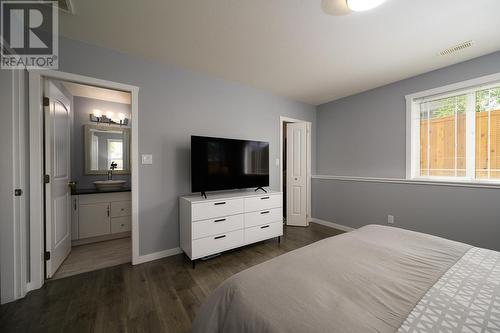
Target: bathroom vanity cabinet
[[100, 216]]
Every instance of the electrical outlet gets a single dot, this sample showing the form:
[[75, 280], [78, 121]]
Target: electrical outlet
[[390, 219]]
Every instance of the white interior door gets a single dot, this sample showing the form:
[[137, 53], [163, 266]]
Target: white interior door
[[57, 168], [296, 174]]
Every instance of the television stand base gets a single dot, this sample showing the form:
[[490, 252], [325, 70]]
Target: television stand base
[[203, 194], [260, 188]]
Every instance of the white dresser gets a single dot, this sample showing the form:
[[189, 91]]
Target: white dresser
[[228, 220]]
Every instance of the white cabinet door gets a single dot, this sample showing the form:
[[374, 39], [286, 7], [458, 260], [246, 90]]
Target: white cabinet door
[[93, 220], [74, 217]]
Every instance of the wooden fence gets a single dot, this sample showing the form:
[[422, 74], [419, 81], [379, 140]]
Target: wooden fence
[[442, 153]]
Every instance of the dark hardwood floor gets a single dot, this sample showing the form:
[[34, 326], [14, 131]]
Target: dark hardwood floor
[[159, 296]]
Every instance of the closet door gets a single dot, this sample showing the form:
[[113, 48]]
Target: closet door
[[296, 174]]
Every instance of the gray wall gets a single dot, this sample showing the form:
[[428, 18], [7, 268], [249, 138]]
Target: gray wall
[[174, 104], [83, 107], [364, 135]]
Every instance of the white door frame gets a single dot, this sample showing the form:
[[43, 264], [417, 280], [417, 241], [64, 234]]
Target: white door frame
[[13, 240], [309, 147], [36, 78]]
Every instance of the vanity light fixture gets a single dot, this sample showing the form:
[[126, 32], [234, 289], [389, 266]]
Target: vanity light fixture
[[97, 117]]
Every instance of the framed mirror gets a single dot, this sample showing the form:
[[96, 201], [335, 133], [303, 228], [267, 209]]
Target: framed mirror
[[104, 145]]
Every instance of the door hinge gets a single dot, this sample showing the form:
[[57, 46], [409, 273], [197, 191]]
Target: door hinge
[[46, 179], [18, 192], [46, 101], [46, 255]]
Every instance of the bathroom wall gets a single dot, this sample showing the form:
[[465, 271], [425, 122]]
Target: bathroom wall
[[83, 107]]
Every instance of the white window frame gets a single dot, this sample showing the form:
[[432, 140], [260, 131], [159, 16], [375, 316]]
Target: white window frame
[[413, 128]]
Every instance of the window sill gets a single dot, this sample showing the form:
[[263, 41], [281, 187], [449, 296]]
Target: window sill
[[458, 182]]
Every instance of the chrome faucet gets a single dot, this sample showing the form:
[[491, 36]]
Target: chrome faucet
[[110, 171]]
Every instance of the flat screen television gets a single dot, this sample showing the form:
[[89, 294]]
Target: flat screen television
[[224, 164]]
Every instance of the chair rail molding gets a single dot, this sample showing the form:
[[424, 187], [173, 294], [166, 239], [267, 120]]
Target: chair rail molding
[[485, 185]]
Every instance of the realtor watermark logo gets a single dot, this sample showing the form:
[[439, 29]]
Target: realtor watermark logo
[[29, 34]]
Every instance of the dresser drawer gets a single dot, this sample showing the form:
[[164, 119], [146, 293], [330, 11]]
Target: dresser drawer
[[120, 224], [208, 210], [263, 202], [210, 245], [217, 226], [121, 208], [262, 232], [263, 217]]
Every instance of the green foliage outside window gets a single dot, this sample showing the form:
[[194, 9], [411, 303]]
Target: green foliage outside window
[[488, 99]]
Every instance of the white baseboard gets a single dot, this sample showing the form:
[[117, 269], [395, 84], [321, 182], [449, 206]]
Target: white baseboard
[[332, 225], [158, 255]]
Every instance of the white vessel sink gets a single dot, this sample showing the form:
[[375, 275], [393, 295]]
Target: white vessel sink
[[109, 185]]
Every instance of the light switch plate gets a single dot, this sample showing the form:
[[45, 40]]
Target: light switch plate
[[147, 159]]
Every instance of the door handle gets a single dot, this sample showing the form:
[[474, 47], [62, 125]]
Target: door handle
[[264, 227], [264, 198], [219, 220], [219, 237], [219, 203], [266, 212], [108, 210]]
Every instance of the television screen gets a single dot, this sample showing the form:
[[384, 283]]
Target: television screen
[[223, 164]]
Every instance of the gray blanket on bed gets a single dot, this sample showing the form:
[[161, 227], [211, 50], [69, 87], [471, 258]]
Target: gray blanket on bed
[[367, 280]]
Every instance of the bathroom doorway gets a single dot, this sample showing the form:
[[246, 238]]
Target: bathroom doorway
[[88, 179], [87, 156]]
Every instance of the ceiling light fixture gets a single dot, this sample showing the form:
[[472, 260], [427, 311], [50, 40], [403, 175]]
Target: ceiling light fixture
[[362, 5]]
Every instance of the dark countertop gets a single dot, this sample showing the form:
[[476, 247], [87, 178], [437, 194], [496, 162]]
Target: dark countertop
[[80, 191]]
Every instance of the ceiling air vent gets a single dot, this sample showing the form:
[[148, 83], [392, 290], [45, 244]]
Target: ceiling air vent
[[456, 48]]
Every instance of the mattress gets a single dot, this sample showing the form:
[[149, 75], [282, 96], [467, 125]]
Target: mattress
[[373, 279]]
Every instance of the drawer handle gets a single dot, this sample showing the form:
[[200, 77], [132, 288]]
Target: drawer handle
[[219, 203], [264, 227], [219, 220], [219, 237], [266, 212], [264, 198]]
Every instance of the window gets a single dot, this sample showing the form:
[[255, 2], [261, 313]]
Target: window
[[454, 135], [115, 153]]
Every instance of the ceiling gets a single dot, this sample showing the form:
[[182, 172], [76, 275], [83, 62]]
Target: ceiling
[[82, 90], [290, 47]]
